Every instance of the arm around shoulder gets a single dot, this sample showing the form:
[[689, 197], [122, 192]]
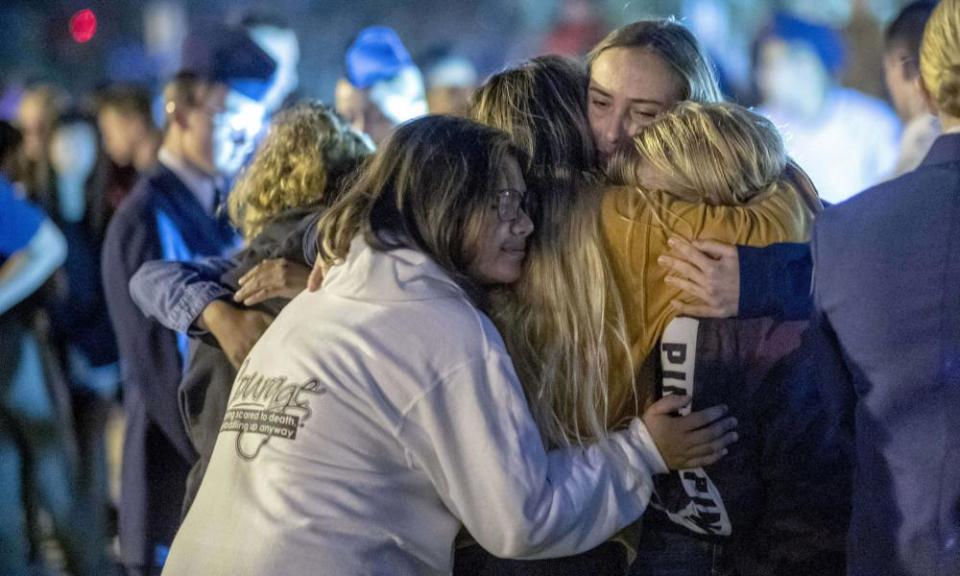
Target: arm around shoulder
[[776, 281], [176, 293]]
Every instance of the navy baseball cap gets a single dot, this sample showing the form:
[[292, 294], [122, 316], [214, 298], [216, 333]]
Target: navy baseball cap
[[229, 56]]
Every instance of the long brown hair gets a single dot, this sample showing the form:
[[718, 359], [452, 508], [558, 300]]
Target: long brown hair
[[562, 317], [428, 188]]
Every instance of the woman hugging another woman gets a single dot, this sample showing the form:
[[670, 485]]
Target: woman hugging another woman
[[583, 322]]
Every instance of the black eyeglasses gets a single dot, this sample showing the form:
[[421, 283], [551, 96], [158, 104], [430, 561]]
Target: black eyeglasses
[[509, 204]]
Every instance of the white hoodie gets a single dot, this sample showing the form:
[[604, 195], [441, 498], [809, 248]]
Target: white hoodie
[[376, 416]]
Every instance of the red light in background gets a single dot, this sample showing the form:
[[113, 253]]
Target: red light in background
[[83, 26]]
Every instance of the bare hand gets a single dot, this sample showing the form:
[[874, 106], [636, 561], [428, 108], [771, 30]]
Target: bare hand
[[709, 272], [692, 441], [316, 275], [235, 329], [274, 278]]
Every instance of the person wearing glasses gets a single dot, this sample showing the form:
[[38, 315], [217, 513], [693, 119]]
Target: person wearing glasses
[[172, 215]]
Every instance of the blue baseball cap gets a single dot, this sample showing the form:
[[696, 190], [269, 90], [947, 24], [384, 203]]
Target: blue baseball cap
[[376, 54], [826, 42]]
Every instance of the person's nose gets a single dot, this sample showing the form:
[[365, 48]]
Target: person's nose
[[523, 225], [615, 133], [621, 130]]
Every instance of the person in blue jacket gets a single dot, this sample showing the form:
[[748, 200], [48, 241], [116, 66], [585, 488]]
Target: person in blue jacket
[[31, 250], [172, 214]]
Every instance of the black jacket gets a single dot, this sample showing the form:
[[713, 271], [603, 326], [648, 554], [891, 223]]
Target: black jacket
[[779, 501], [206, 385]]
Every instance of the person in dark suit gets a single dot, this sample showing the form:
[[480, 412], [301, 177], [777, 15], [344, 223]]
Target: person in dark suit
[[887, 297], [172, 214]]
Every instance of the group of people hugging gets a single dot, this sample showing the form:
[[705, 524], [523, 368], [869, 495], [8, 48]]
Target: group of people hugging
[[489, 372]]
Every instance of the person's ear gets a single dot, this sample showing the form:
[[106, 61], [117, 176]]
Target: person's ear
[[927, 97], [902, 61], [176, 112]]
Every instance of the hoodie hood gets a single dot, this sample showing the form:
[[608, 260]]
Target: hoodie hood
[[401, 274]]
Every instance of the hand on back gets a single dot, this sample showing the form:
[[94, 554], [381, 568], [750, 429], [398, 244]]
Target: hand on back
[[692, 441], [709, 273]]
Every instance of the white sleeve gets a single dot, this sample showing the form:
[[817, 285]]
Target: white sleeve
[[474, 435]]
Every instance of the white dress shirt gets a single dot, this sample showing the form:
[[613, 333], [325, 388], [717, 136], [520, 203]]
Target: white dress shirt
[[204, 186]]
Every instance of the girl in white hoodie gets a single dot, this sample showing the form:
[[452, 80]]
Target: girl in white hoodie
[[377, 417]]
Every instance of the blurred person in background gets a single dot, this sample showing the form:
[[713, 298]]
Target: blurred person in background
[[81, 333], [36, 457], [130, 137], [577, 29], [887, 268], [844, 139], [382, 86], [280, 42], [451, 81], [901, 72], [211, 112], [37, 115]]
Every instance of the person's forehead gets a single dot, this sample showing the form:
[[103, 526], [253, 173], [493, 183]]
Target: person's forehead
[[510, 175], [76, 130], [347, 94], [635, 74], [31, 109], [773, 47], [776, 50], [112, 114]]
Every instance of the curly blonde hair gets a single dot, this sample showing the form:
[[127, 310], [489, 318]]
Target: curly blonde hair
[[306, 153]]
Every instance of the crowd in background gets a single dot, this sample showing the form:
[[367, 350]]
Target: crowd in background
[[141, 260]]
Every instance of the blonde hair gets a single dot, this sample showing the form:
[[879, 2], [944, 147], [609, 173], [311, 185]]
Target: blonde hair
[[717, 154], [940, 57], [307, 151], [720, 154], [563, 315]]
